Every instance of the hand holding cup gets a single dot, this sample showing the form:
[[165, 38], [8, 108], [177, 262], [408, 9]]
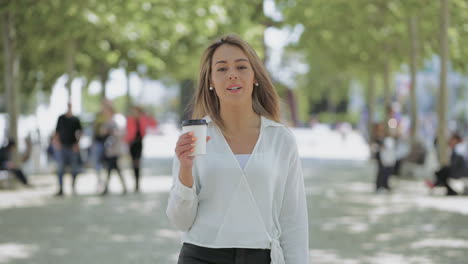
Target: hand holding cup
[[190, 142]]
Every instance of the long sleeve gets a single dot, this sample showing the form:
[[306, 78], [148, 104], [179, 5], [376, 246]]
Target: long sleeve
[[149, 121], [183, 201], [293, 216]]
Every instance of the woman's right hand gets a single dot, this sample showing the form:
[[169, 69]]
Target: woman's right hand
[[184, 148]]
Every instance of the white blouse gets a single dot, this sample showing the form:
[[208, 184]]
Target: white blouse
[[260, 206]]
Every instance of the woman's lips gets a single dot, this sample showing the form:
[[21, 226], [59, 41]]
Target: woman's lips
[[234, 89]]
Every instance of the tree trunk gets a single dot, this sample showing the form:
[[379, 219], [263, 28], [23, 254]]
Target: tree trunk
[[414, 53], [387, 94], [186, 93], [265, 47], [104, 72], [70, 64], [292, 106], [371, 106], [15, 98], [442, 104], [11, 67], [128, 97]]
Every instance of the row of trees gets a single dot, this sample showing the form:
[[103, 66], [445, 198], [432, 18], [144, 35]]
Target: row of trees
[[157, 39], [371, 39], [365, 40]]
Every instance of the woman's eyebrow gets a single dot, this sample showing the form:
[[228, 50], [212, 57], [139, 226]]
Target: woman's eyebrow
[[223, 61], [246, 60]]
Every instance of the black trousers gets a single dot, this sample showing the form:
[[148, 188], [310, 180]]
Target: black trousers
[[442, 177], [136, 149], [383, 175], [192, 254]]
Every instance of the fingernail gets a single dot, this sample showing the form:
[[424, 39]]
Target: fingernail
[[190, 133], [194, 138], [192, 150], [193, 145]]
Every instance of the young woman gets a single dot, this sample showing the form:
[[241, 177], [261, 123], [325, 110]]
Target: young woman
[[112, 149], [244, 201], [137, 123]]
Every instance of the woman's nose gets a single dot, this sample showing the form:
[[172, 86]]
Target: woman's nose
[[232, 75]]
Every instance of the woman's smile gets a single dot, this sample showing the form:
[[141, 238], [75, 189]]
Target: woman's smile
[[234, 88]]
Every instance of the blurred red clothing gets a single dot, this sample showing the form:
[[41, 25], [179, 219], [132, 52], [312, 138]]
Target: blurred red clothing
[[144, 121]]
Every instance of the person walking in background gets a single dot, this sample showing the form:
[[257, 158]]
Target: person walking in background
[[7, 161], [384, 152], [137, 123], [67, 136], [113, 148], [457, 167], [244, 201], [97, 150], [463, 150]]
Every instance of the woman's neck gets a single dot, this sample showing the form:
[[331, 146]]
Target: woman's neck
[[239, 118]]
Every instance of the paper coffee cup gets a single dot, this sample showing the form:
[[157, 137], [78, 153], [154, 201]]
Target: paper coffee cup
[[198, 127]]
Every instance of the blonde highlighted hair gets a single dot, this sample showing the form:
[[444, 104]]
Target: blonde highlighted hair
[[265, 100]]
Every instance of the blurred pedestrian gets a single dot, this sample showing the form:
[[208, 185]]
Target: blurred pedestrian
[[401, 152], [455, 169], [462, 148], [137, 123], [113, 148], [97, 148], [244, 201], [66, 141], [384, 152], [8, 163]]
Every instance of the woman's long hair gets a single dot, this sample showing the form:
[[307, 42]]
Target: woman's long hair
[[265, 100]]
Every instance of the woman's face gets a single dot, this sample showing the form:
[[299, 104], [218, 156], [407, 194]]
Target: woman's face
[[232, 75]]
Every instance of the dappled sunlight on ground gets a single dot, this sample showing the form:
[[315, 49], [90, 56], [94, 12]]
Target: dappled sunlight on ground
[[9, 252], [23, 197], [329, 257], [386, 258], [348, 222], [87, 227], [441, 243], [448, 204], [168, 233]]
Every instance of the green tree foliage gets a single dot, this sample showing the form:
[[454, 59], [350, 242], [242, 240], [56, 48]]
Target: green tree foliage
[[344, 39], [164, 37], [353, 39]]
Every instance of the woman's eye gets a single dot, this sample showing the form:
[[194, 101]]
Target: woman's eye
[[242, 67], [222, 69]]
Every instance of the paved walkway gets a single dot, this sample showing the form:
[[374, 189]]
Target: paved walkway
[[348, 223]]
